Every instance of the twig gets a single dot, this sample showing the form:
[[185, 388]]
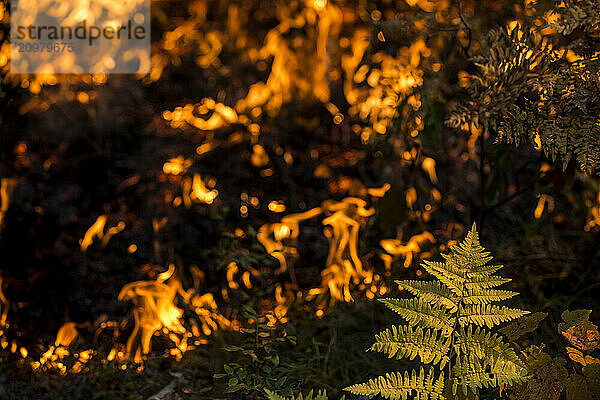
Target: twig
[[467, 28], [168, 390]]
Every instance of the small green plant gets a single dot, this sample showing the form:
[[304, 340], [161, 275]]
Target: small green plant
[[449, 328], [320, 395], [258, 366], [578, 375]]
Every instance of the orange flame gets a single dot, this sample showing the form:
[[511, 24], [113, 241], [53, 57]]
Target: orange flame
[[154, 309], [543, 200], [271, 236], [343, 262], [395, 247], [4, 303], [55, 357], [177, 166], [7, 185], [96, 231], [195, 190]]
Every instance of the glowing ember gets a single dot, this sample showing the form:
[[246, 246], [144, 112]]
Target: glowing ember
[[59, 358]]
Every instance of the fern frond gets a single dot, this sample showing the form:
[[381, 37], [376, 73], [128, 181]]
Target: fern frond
[[432, 292], [476, 374], [404, 342], [486, 296], [587, 144], [419, 313], [320, 395], [448, 274], [484, 270], [485, 282], [469, 253], [482, 344], [488, 315], [395, 386]]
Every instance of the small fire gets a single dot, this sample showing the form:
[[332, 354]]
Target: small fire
[[271, 236], [343, 267], [96, 231], [259, 157], [408, 250], [154, 310], [428, 165], [379, 192], [195, 115], [276, 206], [4, 304], [206, 308], [343, 263], [58, 357]]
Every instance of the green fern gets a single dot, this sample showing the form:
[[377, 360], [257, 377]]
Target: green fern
[[397, 386], [320, 395], [448, 328]]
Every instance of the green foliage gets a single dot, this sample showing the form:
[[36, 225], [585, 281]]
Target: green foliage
[[449, 322], [397, 386], [550, 376], [574, 319], [320, 395], [585, 386], [523, 325], [535, 87], [258, 366]]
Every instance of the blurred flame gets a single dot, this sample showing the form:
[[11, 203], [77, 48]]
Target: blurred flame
[[154, 309], [395, 247], [411, 196], [96, 231], [379, 192], [543, 200], [276, 206], [4, 303], [429, 167], [66, 334], [58, 357], [177, 166], [195, 190], [343, 263], [7, 185], [259, 157], [271, 236]]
